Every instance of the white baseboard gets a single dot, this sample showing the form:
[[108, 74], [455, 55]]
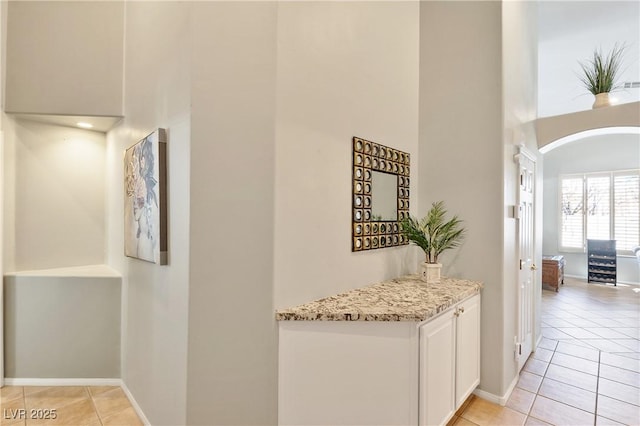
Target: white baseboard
[[61, 382], [580, 277], [500, 400], [135, 405]]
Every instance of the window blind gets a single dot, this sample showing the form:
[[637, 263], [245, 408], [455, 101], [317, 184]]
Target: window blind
[[626, 189], [600, 206], [572, 194]]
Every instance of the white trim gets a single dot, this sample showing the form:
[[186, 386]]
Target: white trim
[[537, 342], [615, 130], [526, 153], [91, 271], [581, 277], [135, 405], [9, 381], [500, 400]]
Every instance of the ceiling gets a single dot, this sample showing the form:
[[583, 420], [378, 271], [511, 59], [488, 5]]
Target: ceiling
[[569, 32]]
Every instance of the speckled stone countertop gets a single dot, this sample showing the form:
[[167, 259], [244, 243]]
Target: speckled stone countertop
[[406, 298]]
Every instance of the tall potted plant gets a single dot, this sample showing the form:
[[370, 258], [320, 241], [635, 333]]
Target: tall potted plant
[[434, 235], [600, 74]]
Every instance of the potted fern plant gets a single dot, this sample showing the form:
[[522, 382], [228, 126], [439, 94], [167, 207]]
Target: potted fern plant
[[434, 235], [600, 74]]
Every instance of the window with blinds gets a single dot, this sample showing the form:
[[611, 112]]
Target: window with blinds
[[572, 216], [626, 210], [600, 206]]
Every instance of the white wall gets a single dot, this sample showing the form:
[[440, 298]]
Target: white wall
[[62, 326], [3, 37], [276, 101], [520, 93], [64, 57], [593, 154], [461, 153], [344, 69], [232, 370], [155, 298], [54, 203]]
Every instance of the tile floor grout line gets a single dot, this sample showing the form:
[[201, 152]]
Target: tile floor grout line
[[595, 416], [538, 389], [95, 408]]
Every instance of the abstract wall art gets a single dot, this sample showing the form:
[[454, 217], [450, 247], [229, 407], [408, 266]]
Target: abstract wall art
[[145, 199]]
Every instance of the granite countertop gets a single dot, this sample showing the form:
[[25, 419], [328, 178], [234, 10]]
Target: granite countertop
[[406, 298]]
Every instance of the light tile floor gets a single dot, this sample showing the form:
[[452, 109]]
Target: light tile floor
[[586, 370], [72, 405]]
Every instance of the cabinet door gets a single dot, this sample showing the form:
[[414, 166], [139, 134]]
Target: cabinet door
[[468, 349], [437, 358]]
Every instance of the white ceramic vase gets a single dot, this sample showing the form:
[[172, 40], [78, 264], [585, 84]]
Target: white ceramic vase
[[602, 100], [430, 272]]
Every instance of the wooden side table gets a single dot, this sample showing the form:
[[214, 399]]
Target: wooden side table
[[553, 271]]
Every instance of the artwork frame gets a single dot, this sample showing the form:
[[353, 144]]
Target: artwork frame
[[367, 233], [145, 199]]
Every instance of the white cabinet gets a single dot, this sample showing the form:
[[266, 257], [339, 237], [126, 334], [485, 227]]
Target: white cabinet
[[437, 370], [379, 372], [449, 361], [467, 349]]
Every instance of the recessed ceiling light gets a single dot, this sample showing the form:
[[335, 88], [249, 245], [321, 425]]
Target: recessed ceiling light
[[85, 125]]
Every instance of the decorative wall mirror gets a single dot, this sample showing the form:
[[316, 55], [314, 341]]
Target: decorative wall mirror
[[380, 195]]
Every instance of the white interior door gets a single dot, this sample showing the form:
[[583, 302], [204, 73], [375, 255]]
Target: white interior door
[[527, 268]]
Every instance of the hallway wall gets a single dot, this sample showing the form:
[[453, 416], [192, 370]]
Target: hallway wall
[[477, 104], [232, 360], [520, 97], [276, 100], [155, 298], [344, 69], [461, 151]]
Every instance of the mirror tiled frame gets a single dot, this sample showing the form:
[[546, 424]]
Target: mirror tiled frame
[[367, 234]]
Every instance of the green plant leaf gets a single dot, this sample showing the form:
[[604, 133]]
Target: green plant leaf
[[600, 73], [432, 234]]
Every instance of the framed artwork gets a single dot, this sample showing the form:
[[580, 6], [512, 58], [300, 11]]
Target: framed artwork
[[380, 195], [145, 199]]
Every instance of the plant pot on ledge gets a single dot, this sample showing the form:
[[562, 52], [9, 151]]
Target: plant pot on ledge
[[430, 272], [433, 235], [602, 100], [600, 74]]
